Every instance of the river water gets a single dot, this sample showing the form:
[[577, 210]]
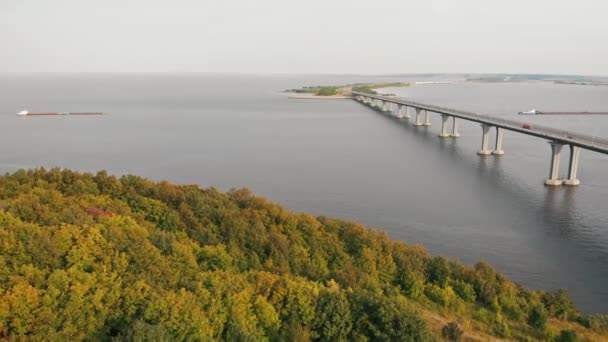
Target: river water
[[342, 159]]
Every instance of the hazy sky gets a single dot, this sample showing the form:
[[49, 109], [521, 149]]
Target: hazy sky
[[305, 36]]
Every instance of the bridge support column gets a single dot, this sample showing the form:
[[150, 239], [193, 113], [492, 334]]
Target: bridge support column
[[444, 126], [484, 140], [498, 147], [418, 112], [573, 166], [387, 106], [556, 150], [400, 110], [455, 133], [427, 118], [407, 113]]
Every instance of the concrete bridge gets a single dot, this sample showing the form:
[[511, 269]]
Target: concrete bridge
[[557, 138]]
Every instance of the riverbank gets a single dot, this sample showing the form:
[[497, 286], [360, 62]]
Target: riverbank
[[108, 254]]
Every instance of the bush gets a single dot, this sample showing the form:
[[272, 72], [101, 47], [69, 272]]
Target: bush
[[465, 291], [436, 294], [559, 305], [452, 332], [538, 317], [566, 336]]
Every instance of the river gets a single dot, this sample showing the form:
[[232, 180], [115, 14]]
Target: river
[[339, 158]]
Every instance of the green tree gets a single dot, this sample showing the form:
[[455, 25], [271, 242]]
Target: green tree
[[559, 305], [389, 319], [438, 271], [333, 321], [538, 317]]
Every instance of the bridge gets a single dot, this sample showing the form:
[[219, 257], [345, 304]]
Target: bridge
[[557, 138]]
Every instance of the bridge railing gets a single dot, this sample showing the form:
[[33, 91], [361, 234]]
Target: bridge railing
[[558, 133]]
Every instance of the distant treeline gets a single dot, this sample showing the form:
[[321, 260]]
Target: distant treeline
[[95, 257]]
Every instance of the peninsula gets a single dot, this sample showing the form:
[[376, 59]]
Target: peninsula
[[343, 91]]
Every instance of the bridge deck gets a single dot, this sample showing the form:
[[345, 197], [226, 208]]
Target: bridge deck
[[562, 136]]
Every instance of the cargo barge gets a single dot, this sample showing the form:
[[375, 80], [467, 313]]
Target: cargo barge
[[26, 113], [538, 112]]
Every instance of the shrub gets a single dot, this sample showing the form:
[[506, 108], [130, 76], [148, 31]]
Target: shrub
[[559, 305], [436, 294], [452, 332], [538, 317], [566, 336], [465, 291]]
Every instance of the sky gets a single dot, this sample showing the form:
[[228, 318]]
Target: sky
[[311, 36]]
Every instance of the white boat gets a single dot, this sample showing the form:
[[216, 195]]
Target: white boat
[[530, 112], [23, 113]]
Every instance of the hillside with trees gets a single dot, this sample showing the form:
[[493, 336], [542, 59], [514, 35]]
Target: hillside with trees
[[96, 257]]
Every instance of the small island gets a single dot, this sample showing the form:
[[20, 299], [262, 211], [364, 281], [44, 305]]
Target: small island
[[343, 91]]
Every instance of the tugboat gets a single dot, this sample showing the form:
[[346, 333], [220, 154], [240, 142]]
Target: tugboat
[[530, 112]]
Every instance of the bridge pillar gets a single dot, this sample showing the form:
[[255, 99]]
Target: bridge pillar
[[484, 140], [498, 147], [556, 150], [427, 118], [455, 133], [386, 107], [444, 126], [573, 166], [418, 112], [400, 110]]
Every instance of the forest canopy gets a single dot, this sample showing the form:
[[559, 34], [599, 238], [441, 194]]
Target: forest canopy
[[93, 256]]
